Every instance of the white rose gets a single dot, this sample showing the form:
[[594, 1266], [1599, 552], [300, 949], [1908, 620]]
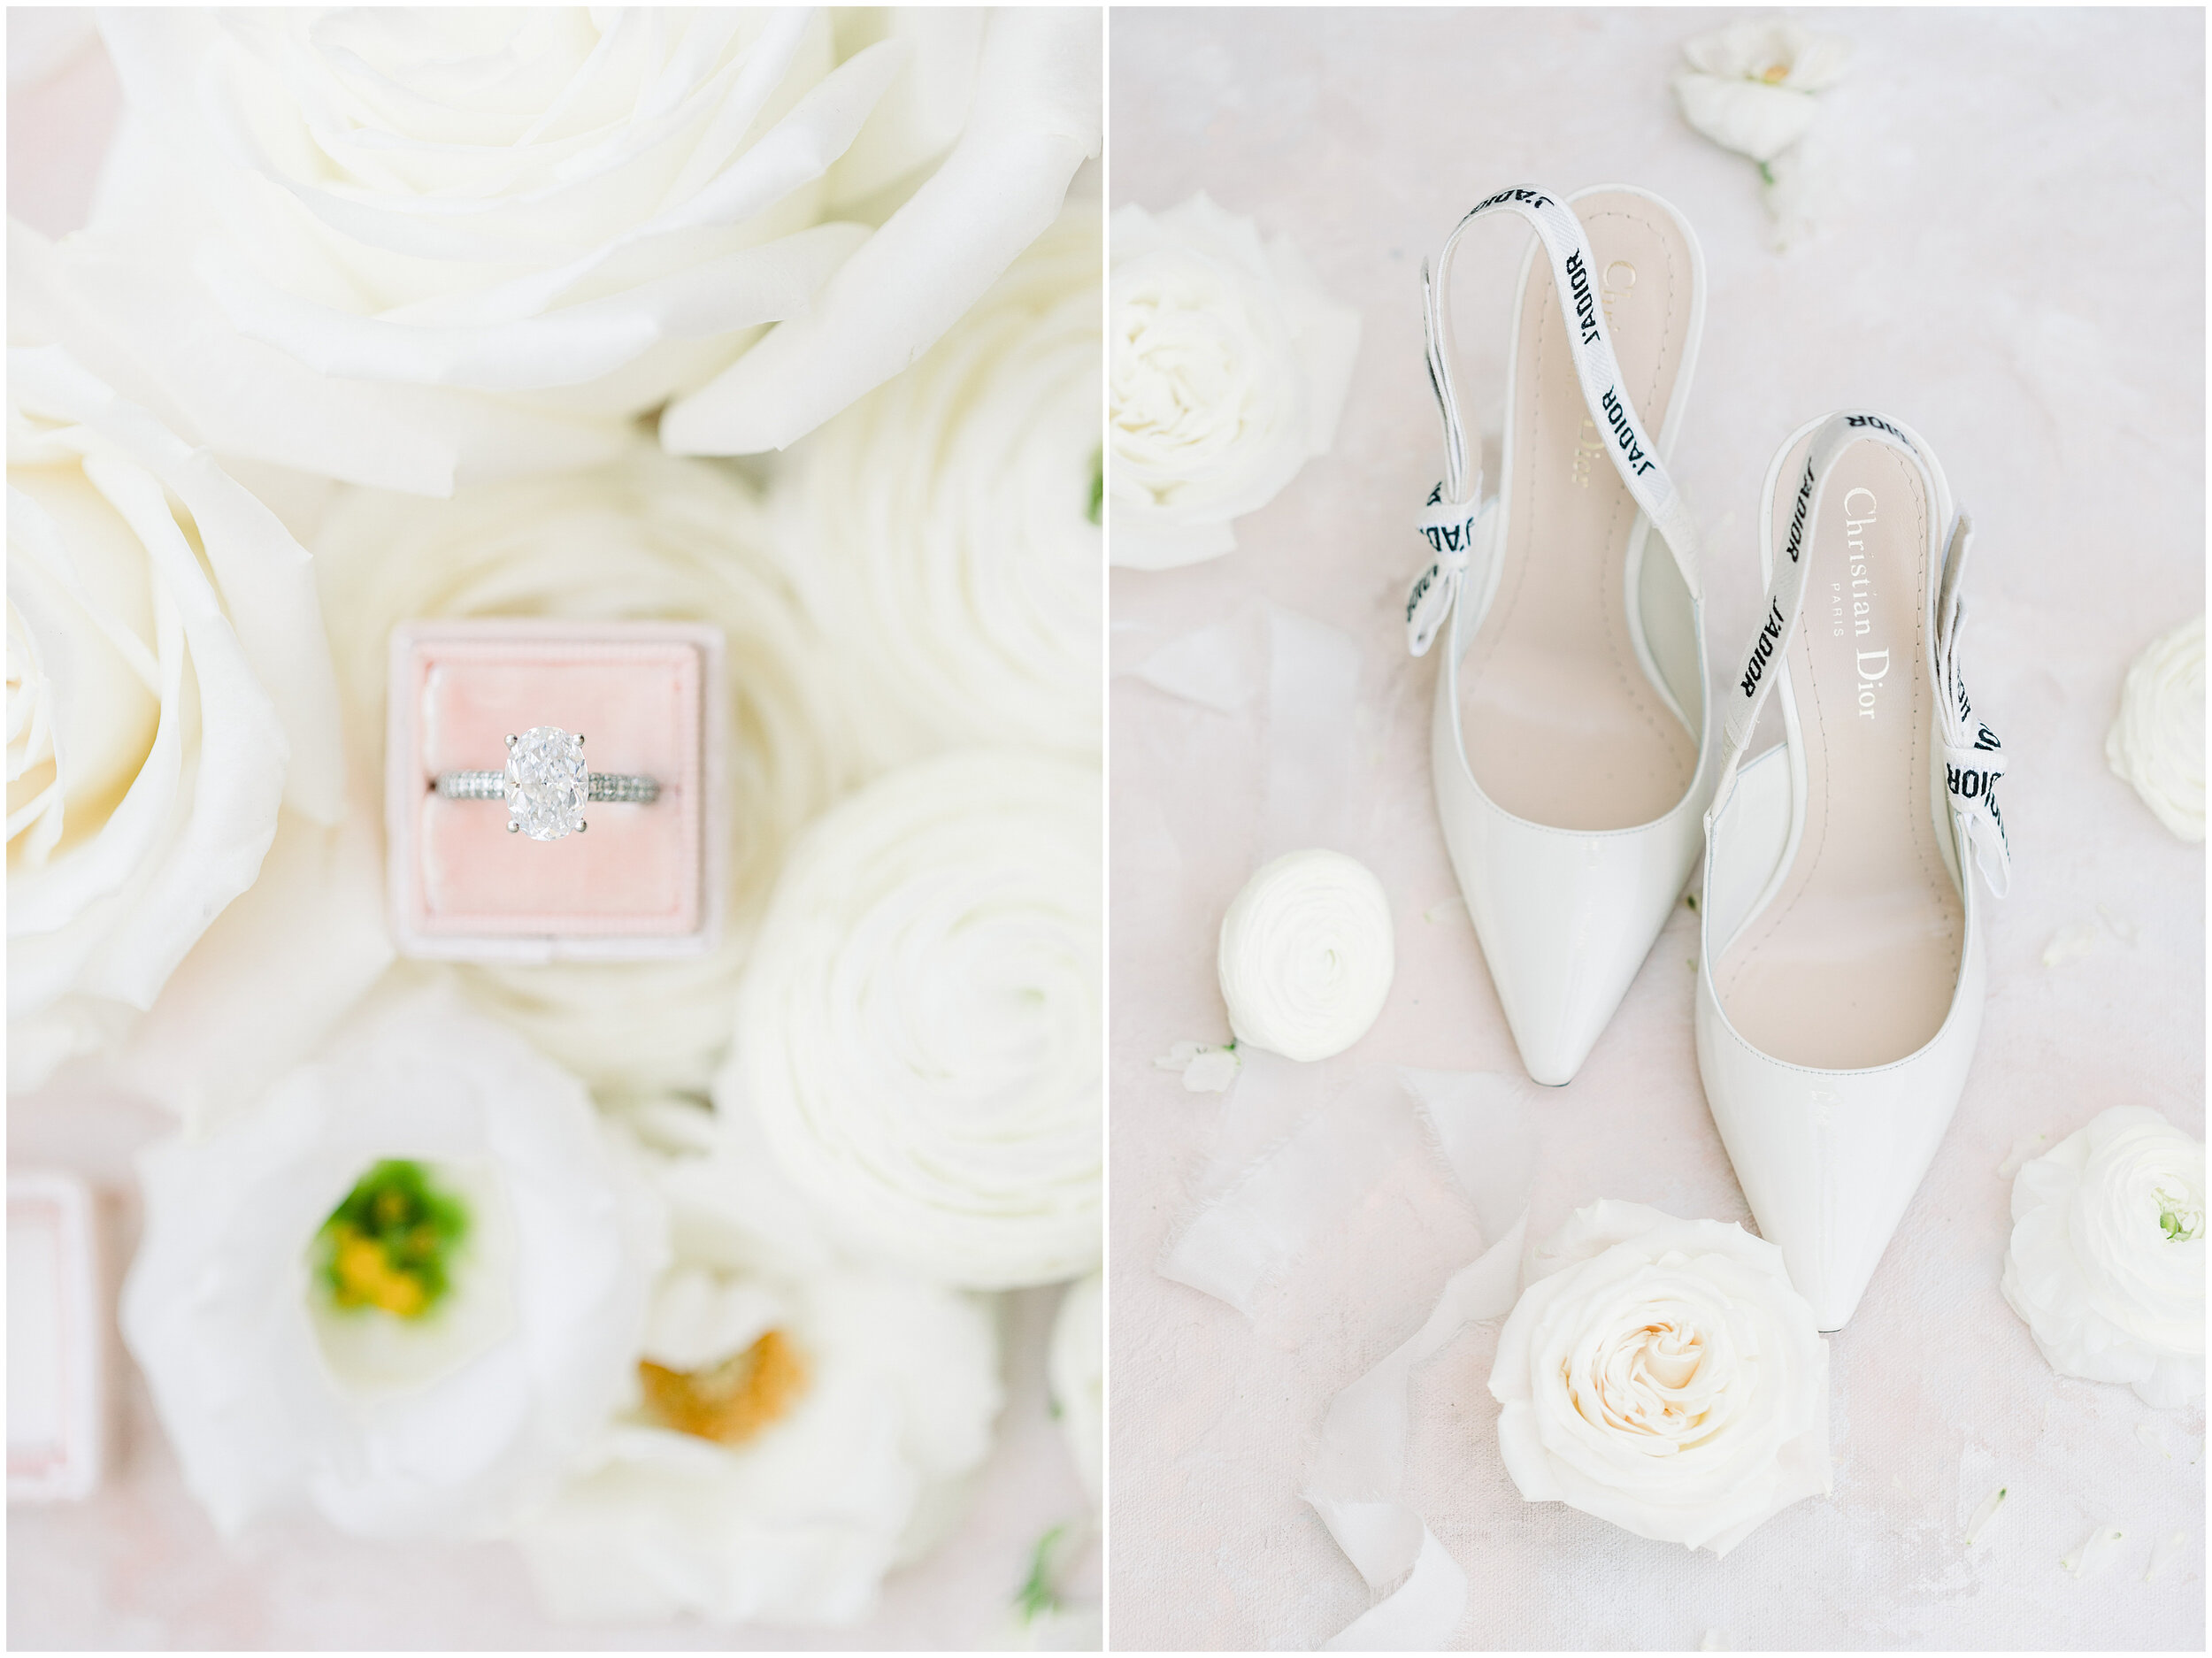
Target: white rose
[[644, 537], [918, 1031], [168, 691], [1307, 954], [801, 1428], [950, 521], [2107, 1260], [420, 247], [298, 1359], [1664, 1375], [1227, 368], [2157, 741], [1036, 112], [1076, 1372], [1750, 86]]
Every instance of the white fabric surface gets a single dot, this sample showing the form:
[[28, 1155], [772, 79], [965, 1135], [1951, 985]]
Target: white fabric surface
[[2016, 268]]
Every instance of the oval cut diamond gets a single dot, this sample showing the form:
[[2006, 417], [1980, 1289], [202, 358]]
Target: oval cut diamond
[[546, 783]]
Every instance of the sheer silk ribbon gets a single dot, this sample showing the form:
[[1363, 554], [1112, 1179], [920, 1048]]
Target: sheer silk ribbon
[[1279, 1206]]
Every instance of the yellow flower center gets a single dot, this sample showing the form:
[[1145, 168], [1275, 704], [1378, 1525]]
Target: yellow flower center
[[392, 1244], [1774, 75], [731, 1400], [363, 1276]]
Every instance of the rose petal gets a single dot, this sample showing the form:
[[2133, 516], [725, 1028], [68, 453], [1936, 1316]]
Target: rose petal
[[1036, 117]]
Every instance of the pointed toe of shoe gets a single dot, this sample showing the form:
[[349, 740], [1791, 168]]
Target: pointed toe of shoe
[[1831, 1273], [1564, 930], [1829, 1160], [1552, 1061], [1831, 1207], [1554, 1017]]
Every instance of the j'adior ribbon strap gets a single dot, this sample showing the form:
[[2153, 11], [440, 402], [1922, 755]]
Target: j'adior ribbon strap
[[1973, 757], [1452, 522]]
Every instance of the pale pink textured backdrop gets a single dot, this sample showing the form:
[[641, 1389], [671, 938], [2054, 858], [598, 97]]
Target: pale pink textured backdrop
[[2018, 268], [138, 1565]]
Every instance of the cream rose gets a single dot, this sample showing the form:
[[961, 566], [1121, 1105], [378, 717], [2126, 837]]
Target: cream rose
[[169, 692], [645, 536], [1227, 368], [409, 247], [946, 527], [314, 1342], [800, 1426], [1307, 954], [1749, 85], [918, 1031], [1664, 1375], [2157, 741], [1077, 1374], [2107, 1260]]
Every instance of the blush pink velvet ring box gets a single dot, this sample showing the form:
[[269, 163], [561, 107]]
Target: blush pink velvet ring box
[[646, 881]]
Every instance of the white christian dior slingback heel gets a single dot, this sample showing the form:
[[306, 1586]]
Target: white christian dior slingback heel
[[1840, 977], [1568, 742]]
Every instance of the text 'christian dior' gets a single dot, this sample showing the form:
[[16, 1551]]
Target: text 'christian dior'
[[1873, 665]]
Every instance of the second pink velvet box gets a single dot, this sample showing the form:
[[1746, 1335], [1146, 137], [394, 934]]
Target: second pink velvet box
[[645, 881]]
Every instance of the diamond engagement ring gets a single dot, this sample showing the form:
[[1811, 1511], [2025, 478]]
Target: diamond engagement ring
[[546, 784]]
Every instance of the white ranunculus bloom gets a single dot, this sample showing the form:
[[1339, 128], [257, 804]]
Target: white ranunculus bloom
[[1749, 85], [418, 247], [168, 691], [1226, 369], [395, 1403], [803, 1426], [646, 536], [2157, 741], [918, 1031], [1078, 1378], [1307, 954], [946, 527], [1664, 1375], [2106, 1261]]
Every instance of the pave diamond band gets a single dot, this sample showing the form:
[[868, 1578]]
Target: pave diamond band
[[546, 783], [622, 789]]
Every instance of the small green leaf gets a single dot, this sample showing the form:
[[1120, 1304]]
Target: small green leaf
[[1098, 487], [1038, 1598]]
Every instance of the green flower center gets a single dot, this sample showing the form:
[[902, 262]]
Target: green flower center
[[391, 1244], [1098, 486], [2180, 1216]]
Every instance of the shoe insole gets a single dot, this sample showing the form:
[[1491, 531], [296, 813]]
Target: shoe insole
[[1854, 960], [1563, 726]]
